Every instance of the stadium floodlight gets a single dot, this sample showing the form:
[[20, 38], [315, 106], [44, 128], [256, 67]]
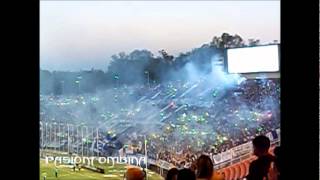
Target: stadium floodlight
[[258, 59]]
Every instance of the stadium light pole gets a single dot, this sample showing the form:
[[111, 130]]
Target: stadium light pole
[[62, 128], [78, 82], [55, 136], [97, 142], [147, 72], [116, 78], [65, 131], [50, 131], [77, 137], [46, 131], [68, 138], [52, 135], [146, 157], [59, 135], [92, 133], [41, 148], [82, 141], [41, 129], [62, 87], [71, 138], [87, 141]]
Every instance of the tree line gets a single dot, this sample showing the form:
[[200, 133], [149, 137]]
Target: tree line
[[141, 67]]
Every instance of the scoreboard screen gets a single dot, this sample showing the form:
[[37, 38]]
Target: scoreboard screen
[[253, 59]]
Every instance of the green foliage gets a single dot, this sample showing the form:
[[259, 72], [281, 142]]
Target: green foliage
[[130, 68]]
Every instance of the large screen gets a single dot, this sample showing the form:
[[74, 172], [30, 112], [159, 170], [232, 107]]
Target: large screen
[[253, 59]]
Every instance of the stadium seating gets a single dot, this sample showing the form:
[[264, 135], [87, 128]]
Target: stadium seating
[[241, 169]]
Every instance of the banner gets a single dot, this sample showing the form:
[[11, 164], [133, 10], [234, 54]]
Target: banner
[[226, 155], [121, 152], [217, 159], [275, 135], [278, 133], [152, 161], [129, 151], [241, 150], [222, 157], [270, 136], [164, 164]]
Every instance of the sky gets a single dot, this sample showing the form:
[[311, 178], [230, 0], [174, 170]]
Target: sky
[[80, 35]]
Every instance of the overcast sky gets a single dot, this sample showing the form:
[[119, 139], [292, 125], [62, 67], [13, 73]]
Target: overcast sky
[[78, 35]]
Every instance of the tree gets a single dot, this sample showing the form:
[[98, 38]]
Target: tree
[[137, 60], [227, 41], [168, 58], [122, 55], [253, 42], [216, 42], [46, 82], [140, 55], [237, 41], [57, 86]]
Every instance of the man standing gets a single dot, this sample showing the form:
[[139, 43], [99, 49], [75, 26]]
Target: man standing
[[56, 172], [44, 176], [144, 173], [259, 168]]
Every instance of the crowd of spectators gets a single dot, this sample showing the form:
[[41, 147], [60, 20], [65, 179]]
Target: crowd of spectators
[[184, 119]]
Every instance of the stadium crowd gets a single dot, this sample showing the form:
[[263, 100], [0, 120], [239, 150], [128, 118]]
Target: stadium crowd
[[179, 120]]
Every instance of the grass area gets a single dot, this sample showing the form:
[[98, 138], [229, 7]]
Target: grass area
[[115, 172]]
